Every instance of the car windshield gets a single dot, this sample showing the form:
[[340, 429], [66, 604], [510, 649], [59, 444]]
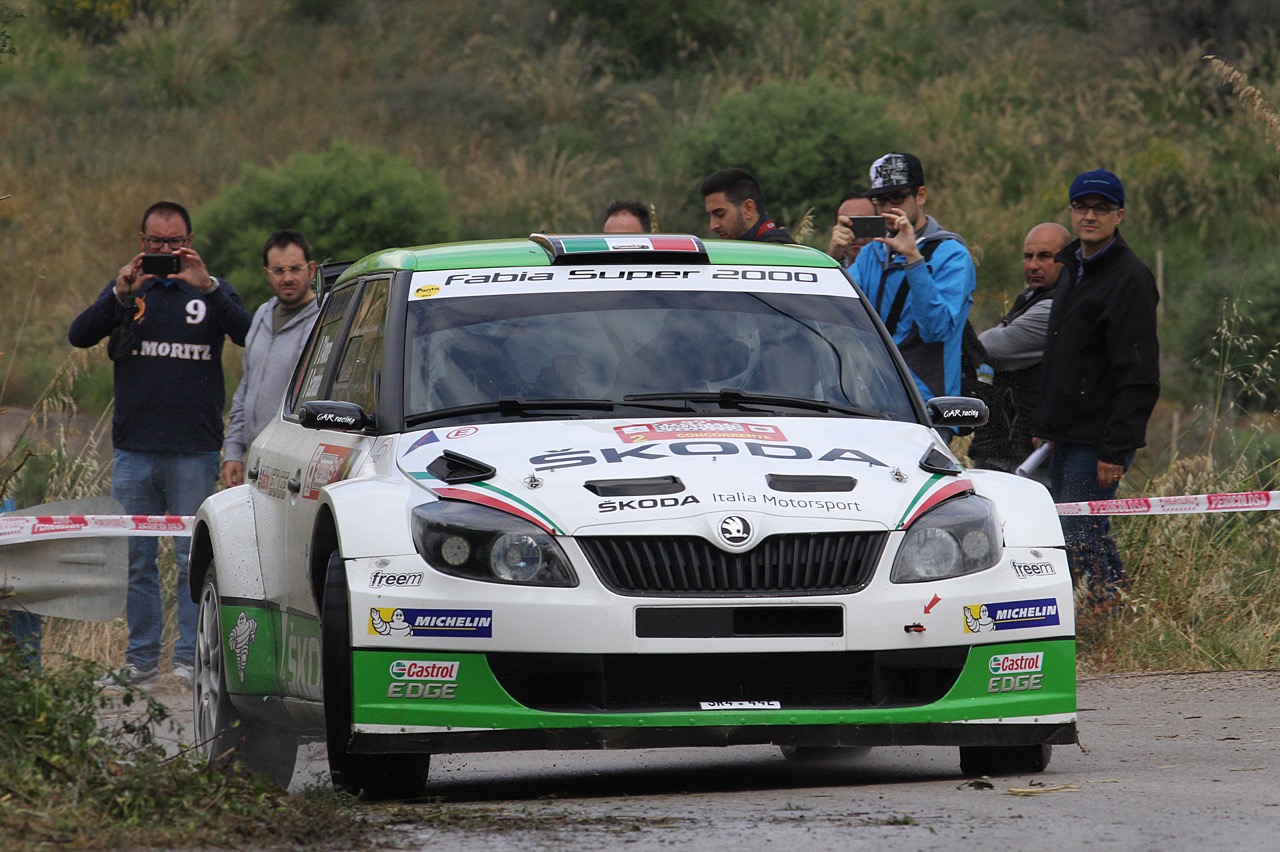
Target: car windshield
[[645, 350]]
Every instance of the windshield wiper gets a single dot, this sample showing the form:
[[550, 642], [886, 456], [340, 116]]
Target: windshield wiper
[[509, 406], [730, 398]]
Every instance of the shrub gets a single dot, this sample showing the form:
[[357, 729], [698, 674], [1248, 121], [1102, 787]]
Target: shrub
[[807, 143], [347, 201], [653, 35], [102, 20]]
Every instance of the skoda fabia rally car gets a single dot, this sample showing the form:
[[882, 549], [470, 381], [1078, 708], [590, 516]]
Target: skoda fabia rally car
[[620, 492]]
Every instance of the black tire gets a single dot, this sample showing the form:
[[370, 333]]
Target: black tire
[[1004, 760], [369, 776], [225, 737]]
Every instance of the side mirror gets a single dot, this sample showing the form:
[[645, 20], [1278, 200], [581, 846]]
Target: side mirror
[[957, 411], [330, 414]]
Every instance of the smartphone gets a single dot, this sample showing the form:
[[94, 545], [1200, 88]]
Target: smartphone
[[161, 265], [866, 227]]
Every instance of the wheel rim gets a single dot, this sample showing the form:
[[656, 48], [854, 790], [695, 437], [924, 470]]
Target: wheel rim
[[207, 685]]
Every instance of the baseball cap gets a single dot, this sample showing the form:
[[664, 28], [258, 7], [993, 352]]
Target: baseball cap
[[895, 172], [1098, 182]]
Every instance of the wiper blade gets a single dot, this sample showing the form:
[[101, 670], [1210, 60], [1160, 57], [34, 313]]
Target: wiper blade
[[730, 398], [509, 406]]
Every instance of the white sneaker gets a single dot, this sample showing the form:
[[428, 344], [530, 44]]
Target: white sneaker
[[127, 675], [183, 672]]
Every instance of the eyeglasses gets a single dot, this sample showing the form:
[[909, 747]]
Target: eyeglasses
[[157, 242], [1102, 208], [895, 200], [279, 271]]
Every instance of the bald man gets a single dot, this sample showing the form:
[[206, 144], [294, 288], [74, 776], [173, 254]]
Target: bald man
[[1015, 348], [844, 245]]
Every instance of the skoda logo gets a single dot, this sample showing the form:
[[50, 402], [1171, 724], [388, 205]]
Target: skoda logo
[[735, 530]]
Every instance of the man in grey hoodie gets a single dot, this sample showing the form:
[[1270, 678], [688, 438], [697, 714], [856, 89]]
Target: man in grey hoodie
[[279, 331]]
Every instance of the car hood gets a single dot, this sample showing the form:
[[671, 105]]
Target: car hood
[[598, 476]]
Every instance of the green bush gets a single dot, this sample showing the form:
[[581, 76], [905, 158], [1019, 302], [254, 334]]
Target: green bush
[[347, 201], [651, 36], [807, 143], [7, 16], [102, 20]]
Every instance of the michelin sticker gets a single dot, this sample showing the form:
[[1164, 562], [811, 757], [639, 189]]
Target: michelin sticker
[[465, 623], [1011, 615]]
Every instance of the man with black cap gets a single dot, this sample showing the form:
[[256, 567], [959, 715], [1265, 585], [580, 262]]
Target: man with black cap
[[1100, 375], [920, 279]]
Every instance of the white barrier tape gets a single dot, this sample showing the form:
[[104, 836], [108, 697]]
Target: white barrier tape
[[1189, 504], [17, 529]]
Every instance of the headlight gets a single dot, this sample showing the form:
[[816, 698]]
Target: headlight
[[479, 543], [958, 537]]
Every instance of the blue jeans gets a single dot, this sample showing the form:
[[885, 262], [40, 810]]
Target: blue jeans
[[1095, 561], [160, 484], [26, 627]]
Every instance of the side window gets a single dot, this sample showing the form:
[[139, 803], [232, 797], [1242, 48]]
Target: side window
[[309, 382], [356, 378]]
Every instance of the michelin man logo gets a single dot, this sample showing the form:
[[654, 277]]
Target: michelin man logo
[[396, 627], [984, 623], [240, 638]]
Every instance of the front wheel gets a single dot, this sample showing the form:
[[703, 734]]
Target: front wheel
[[225, 737], [370, 776], [1004, 760]]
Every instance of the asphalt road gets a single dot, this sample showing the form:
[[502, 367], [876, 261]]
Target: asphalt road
[[1167, 761]]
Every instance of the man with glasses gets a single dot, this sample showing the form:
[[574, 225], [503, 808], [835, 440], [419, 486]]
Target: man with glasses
[[1100, 375], [276, 337], [166, 333], [920, 278]]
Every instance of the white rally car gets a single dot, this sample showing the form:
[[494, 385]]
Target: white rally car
[[620, 492]]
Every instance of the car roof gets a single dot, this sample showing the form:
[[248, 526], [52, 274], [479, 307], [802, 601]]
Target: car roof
[[566, 249]]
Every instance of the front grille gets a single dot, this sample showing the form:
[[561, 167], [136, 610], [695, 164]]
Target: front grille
[[689, 566], [616, 683]]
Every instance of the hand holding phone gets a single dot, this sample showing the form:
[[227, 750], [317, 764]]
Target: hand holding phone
[[867, 227], [161, 265]]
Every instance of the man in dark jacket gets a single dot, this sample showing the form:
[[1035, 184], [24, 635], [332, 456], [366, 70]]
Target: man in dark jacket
[[1015, 347], [1101, 374], [735, 208], [166, 334]]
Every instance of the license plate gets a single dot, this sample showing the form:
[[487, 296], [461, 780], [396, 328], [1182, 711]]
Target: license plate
[[741, 705]]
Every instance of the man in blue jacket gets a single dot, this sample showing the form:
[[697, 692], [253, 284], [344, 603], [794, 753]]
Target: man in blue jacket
[[166, 333], [920, 279]]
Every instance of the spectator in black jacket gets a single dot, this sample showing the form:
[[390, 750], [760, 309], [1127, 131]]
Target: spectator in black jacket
[[735, 207], [1101, 374], [1015, 348]]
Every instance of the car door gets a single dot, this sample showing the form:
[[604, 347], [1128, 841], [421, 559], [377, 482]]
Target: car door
[[348, 357]]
